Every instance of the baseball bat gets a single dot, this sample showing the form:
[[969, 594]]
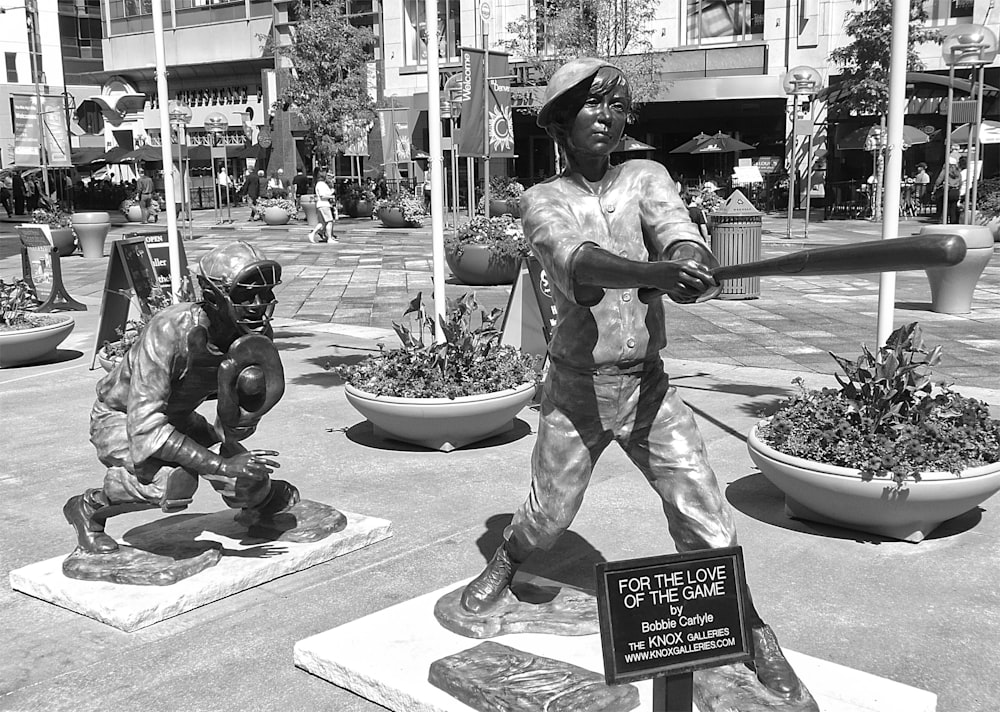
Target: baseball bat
[[895, 255]]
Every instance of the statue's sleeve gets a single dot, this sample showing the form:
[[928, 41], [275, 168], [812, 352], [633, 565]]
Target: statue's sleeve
[[665, 218], [160, 354], [555, 234]]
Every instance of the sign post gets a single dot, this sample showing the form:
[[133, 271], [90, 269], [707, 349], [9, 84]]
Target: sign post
[[40, 268], [665, 617]]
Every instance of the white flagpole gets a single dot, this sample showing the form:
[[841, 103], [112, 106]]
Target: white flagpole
[[894, 165], [436, 164], [173, 245]]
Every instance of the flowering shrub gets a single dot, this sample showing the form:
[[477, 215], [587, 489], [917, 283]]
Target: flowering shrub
[[887, 419], [502, 233], [411, 207], [988, 200], [284, 203], [53, 217], [471, 361]]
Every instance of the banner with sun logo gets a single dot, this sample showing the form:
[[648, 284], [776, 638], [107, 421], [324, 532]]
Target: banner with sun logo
[[498, 121]]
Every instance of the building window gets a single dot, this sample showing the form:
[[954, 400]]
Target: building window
[[942, 10], [711, 21], [11, 58], [415, 31]]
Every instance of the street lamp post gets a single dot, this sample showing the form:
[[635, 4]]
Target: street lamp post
[[216, 124], [800, 81], [180, 116], [967, 46]]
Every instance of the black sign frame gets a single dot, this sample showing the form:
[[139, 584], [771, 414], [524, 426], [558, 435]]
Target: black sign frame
[[611, 620]]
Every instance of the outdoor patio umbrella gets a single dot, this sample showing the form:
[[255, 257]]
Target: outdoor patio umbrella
[[114, 155], [857, 139], [631, 144], [86, 156], [720, 143], [691, 143], [143, 153], [989, 132]]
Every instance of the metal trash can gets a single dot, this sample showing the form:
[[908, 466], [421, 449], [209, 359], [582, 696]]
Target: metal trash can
[[736, 228]]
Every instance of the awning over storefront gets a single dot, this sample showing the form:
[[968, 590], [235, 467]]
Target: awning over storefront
[[926, 93]]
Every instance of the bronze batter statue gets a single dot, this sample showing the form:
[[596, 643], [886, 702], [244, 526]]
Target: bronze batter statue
[[144, 423], [602, 233]]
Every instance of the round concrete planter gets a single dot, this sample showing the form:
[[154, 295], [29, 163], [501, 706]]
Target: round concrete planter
[[837, 495], [134, 214], [480, 265], [952, 287], [276, 216], [62, 238], [26, 346], [91, 232], [441, 423], [505, 207], [308, 203], [391, 217], [107, 362], [359, 209]]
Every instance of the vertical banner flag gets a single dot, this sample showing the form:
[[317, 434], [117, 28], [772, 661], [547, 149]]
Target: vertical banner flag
[[501, 127], [55, 135]]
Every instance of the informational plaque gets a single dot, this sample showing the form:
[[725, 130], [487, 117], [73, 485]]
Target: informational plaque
[[673, 614]]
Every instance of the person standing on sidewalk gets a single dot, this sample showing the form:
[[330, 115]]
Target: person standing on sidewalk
[[144, 194], [326, 206], [602, 233]]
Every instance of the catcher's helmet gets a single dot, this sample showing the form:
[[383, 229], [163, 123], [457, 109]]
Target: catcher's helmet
[[239, 281]]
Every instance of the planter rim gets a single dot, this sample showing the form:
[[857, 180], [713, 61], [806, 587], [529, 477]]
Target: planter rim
[[91, 217], [63, 318], [756, 443], [434, 401]]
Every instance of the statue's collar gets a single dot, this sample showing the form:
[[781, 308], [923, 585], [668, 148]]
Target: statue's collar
[[594, 187]]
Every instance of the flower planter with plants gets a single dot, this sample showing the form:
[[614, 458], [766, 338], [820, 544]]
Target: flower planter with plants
[[505, 197], [25, 337], [359, 201], [276, 211], [888, 452], [400, 211], [988, 206], [487, 251], [133, 213], [60, 227], [448, 395]]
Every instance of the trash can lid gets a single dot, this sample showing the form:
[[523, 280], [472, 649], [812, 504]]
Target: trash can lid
[[737, 204]]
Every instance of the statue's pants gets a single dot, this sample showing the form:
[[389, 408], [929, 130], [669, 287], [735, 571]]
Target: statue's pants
[[581, 413], [157, 482]]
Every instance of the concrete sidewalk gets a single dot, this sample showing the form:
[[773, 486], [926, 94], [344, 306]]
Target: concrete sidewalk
[[924, 615]]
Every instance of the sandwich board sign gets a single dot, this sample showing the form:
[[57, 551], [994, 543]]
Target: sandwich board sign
[[531, 311], [139, 269]]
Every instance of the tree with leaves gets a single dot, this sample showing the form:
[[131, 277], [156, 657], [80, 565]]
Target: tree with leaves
[[865, 61], [613, 30], [328, 87]]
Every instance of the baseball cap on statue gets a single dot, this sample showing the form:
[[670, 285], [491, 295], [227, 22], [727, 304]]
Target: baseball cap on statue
[[564, 79]]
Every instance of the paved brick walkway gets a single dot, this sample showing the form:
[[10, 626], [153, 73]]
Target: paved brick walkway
[[368, 276]]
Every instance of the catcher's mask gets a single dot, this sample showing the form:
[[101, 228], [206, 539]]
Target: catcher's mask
[[238, 282]]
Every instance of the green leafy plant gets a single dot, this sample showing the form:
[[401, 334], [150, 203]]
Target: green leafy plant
[[887, 419], [470, 361], [16, 301], [159, 299], [411, 207], [502, 234], [53, 217], [284, 203]]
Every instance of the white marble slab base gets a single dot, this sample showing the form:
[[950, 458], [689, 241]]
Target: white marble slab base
[[129, 607], [385, 657]]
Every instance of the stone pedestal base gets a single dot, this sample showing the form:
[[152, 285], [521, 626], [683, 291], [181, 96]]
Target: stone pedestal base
[[245, 562], [386, 657]]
